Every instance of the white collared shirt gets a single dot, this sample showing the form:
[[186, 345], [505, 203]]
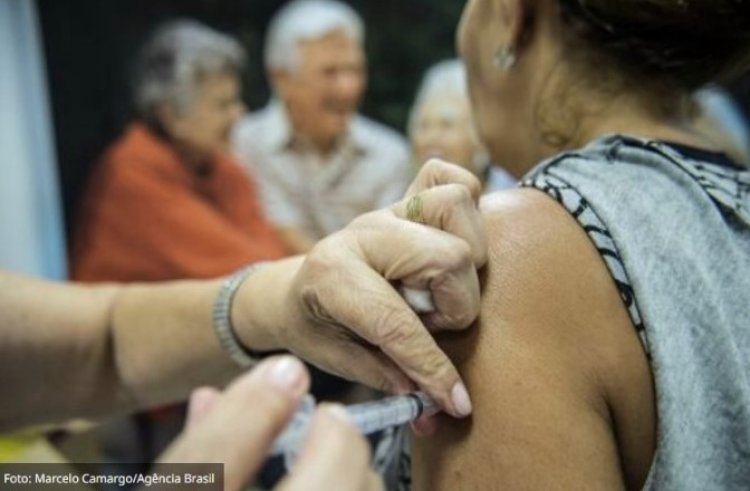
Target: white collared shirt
[[369, 169]]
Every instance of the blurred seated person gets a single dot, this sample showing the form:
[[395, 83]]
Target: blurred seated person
[[318, 163], [441, 126], [722, 121], [167, 201]]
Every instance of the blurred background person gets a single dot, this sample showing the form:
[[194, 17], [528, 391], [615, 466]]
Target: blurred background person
[[441, 126], [721, 120], [318, 163], [168, 201]]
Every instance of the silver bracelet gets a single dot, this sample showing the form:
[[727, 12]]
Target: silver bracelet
[[222, 318]]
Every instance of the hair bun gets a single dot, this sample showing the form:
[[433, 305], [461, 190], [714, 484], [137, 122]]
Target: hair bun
[[691, 41]]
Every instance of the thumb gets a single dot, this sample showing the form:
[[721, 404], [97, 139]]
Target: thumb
[[241, 426]]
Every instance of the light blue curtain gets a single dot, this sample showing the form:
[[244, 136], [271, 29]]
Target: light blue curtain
[[31, 230]]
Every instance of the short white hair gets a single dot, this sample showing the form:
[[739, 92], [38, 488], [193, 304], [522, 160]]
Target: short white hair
[[443, 79], [447, 79], [178, 55], [302, 20]]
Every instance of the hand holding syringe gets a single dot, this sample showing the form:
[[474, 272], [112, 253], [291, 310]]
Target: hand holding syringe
[[368, 418]]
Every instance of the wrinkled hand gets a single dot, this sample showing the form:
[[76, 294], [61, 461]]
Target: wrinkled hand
[[356, 325], [237, 428]]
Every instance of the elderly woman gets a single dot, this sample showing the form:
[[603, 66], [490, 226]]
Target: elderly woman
[[167, 201], [614, 342], [441, 126]]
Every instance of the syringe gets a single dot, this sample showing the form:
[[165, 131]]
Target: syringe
[[368, 417]]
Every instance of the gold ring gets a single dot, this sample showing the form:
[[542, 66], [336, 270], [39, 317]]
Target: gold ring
[[414, 210]]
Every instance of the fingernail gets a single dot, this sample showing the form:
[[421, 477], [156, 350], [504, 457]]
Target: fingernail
[[286, 373], [339, 412], [460, 398]]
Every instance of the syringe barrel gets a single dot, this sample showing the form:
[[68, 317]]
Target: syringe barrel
[[367, 417], [294, 433], [391, 411]]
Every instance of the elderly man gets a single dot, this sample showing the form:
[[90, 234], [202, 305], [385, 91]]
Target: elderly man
[[317, 162]]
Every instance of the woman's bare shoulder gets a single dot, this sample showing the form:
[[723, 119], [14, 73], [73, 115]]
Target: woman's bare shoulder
[[561, 387]]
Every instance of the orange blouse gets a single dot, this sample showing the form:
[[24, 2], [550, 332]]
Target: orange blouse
[[148, 217]]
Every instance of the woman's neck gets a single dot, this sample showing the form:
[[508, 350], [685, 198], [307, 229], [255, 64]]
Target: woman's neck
[[642, 126], [622, 121]]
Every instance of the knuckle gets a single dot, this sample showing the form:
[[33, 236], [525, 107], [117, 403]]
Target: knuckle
[[322, 254], [459, 319], [433, 166], [366, 220], [314, 305], [459, 193], [473, 186], [461, 292], [314, 286], [442, 172], [458, 255], [448, 321], [394, 327], [436, 365], [468, 316], [312, 270]]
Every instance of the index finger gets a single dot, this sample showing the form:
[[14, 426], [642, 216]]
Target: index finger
[[391, 325]]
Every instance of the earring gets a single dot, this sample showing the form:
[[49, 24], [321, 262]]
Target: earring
[[505, 57]]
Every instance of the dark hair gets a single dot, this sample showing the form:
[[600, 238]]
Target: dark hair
[[687, 42]]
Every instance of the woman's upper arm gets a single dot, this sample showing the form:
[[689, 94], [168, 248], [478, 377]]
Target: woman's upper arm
[[561, 388]]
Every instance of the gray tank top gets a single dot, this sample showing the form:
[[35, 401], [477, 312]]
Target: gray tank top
[[673, 226]]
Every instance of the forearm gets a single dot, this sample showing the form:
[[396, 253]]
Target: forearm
[[164, 341], [72, 350], [55, 350]]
